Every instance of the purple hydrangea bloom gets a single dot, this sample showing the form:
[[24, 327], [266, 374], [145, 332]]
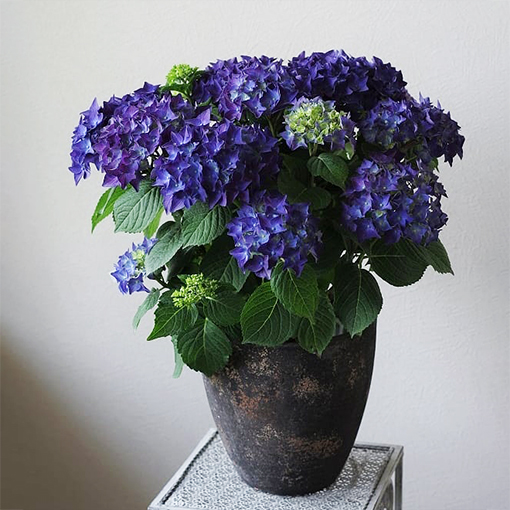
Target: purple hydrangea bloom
[[354, 83], [82, 153], [415, 128], [257, 85], [270, 229], [120, 136], [133, 132], [130, 269], [440, 131], [215, 163], [387, 124], [389, 200]]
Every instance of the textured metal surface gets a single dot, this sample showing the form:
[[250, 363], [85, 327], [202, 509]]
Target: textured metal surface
[[210, 482]]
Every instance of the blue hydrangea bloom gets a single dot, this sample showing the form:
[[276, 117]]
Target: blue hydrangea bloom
[[120, 136], [270, 229], [82, 153], [440, 131], [385, 124], [130, 269], [354, 83], [257, 85], [215, 163], [415, 127], [389, 200], [188, 155]]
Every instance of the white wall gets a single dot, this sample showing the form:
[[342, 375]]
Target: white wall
[[91, 416]]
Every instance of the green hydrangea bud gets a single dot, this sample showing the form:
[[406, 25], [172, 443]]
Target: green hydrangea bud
[[180, 74], [312, 121], [196, 287]]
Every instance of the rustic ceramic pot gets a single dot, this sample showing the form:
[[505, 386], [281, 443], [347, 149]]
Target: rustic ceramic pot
[[287, 418]]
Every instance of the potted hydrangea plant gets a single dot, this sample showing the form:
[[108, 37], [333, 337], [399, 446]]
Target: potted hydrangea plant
[[267, 196]]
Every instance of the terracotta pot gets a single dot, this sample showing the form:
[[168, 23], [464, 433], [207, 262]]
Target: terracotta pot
[[288, 418]]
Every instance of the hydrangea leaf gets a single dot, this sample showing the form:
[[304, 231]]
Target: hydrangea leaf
[[149, 302], [134, 210], [166, 247], [297, 192], [398, 264], [332, 248], [358, 299], [299, 295], [330, 167], [179, 363], [224, 308], [296, 165], [220, 265], [435, 254], [233, 332], [264, 321], [204, 347], [152, 227], [202, 225], [315, 336], [105, 205], [171, 320]]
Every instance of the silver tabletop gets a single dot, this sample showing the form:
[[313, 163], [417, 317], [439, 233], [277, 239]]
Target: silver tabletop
[[370, 480]]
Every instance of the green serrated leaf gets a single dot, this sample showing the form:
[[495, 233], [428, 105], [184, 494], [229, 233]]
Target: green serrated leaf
[[170, 320], [152, 227], [224, 308], [201, 225], [318, 198], [204, 347], [179, 363], [331, 168], [220, 265], [234, 332], [134, 210], [166, 247], [150, 302], [105, 205], [264, 321], [163, 229], [295, 323], [358, 299], [315, 337], [299, 295], [332, 248], [435, 254], [398, 264], [297, 192]]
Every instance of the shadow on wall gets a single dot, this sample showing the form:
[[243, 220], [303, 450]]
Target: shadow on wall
[[50, 461]]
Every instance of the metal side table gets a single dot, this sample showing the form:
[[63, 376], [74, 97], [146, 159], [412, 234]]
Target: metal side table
[[370, 480]]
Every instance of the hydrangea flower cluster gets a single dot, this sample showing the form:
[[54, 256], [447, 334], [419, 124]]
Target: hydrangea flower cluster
[[119, 137], [196, 287], [213, 163], [389, 200], [190, 157], [428, 129], [270, 229], [215, 136], [354, 83], [130, 269], [256, 85], [316, 122], [258, 161]]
